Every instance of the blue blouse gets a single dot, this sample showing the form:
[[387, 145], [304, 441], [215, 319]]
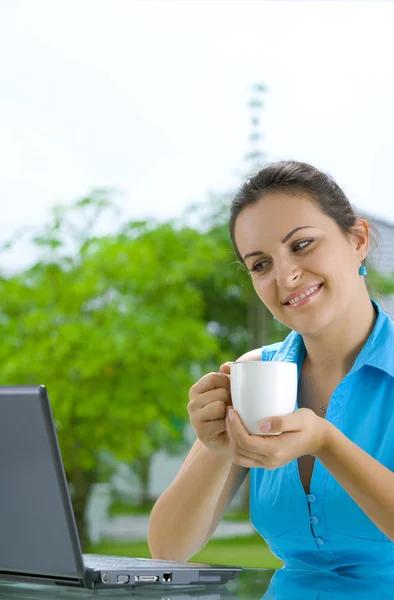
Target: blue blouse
[[326, 529]]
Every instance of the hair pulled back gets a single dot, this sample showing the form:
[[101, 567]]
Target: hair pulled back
[[294, 178]]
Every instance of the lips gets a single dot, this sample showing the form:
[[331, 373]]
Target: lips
[[302, 294]]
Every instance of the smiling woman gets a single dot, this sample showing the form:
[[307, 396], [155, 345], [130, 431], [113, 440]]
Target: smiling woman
[[304, 247]]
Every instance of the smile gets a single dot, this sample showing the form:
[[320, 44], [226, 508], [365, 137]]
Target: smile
[[305, 297]]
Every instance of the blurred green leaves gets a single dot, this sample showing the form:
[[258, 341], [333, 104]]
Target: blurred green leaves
[[113, 325]]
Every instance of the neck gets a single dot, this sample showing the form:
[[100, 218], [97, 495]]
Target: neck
[[335, 350]]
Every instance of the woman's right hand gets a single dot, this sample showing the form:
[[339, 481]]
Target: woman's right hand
[[207, 408]]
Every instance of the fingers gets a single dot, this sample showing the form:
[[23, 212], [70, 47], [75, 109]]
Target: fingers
[[293, 422], [220, 394], [202, 400], [209, 398], [251, 450], [226, 367], [240, 445], [214, 428], [210, 382], [213, 411], [302, 432]]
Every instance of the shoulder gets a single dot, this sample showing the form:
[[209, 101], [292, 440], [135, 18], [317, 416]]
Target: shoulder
[[251, 355], [264, 353], [269, 352]]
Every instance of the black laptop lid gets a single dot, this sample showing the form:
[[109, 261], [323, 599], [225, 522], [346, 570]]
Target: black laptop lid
[[37, 528]]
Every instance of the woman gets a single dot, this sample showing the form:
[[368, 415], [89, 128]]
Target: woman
[[322, 492]]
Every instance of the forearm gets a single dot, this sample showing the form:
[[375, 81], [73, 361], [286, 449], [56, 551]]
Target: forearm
[[182, 516], [368, 482]]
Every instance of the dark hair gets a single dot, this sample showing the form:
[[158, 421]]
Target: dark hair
[[292, 177]]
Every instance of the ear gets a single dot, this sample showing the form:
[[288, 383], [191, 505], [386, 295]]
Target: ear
[[361, 237]]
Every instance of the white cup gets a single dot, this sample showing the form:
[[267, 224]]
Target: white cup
[[261, 389]]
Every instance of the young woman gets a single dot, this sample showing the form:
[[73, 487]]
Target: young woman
[[322, 492]]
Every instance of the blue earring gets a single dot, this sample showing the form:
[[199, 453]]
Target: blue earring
[[363, 270]]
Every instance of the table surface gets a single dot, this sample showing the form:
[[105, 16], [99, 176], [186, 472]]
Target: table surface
[[250, 584]]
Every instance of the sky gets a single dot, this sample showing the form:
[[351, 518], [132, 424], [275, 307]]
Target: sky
[[151, 98]]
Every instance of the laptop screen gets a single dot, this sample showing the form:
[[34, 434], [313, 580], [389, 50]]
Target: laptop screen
[[38, 532]]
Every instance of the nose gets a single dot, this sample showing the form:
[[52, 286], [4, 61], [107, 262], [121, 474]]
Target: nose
[[287, 272]]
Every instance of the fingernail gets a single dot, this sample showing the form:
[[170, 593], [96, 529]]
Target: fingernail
[[230, 413], [265, 426]]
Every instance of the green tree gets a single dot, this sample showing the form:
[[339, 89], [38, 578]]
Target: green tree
[[379, 284], [113, 326]]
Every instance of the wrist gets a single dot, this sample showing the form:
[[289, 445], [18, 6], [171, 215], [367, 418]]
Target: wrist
[[326, 438], [220, 452]]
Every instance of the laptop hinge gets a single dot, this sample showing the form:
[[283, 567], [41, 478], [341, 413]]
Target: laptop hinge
[[91, 577]]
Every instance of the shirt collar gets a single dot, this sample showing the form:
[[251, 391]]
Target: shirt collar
[[377, 351]]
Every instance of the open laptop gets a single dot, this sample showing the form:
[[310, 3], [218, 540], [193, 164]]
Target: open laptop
[[38, 535]]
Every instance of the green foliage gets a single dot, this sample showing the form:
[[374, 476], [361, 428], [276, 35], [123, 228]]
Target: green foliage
[[121, 508], [112, 330], [379, 284], [113, 325]]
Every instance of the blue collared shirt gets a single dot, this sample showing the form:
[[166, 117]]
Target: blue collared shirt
[[326, 529]]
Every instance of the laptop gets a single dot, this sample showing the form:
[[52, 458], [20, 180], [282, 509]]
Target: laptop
[[38, 535]]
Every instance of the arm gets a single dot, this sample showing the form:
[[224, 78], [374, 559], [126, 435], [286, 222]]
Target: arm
[[188, 512], [181, 520], [366, 480]]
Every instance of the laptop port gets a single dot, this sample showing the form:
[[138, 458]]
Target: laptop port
[[146, 578], [105, 577], [167, 576], [123, 578]]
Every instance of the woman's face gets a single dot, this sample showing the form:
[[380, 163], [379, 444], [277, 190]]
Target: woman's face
[[290, 247]]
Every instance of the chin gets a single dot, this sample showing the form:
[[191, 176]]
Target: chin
[[307, 324], [314, 327]]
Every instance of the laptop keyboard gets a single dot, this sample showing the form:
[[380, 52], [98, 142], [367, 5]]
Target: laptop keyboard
[[100, 561]]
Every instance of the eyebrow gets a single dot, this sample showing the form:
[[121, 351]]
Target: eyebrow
[[285, 239]]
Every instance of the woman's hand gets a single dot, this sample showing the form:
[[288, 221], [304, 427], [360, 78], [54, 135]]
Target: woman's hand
[[303, 432], [209, 399]]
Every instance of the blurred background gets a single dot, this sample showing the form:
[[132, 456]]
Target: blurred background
[[125, 128]]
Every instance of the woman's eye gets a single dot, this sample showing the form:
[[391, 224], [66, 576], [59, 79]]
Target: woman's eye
[[300, 246], [259, 266]]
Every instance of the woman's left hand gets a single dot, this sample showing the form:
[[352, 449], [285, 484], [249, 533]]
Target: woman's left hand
[[303, 432]]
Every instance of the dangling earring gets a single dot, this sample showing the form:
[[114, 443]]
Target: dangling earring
[[363, 270]]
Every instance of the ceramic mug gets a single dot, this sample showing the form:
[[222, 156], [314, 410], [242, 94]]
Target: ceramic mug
[[261, 389]]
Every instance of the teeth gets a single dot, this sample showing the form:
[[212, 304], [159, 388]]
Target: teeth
[[302, 296]]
